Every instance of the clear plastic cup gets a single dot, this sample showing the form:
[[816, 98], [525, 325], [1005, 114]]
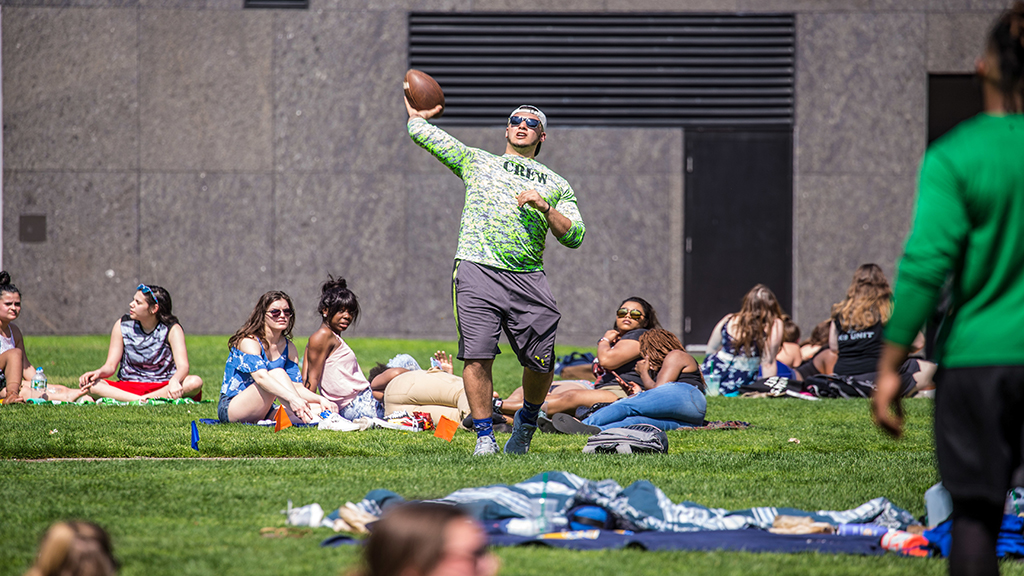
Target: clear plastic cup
[[714, 382]]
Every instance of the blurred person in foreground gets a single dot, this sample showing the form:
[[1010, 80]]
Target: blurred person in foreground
[[74, 548], [427, 539], [969, 226]]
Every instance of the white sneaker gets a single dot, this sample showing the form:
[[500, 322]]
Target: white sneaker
[[335, 422], [485, 445]]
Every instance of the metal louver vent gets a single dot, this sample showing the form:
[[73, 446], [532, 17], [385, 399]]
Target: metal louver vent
[[611, 70]]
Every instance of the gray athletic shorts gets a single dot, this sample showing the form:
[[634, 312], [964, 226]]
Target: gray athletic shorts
[[488, 300]]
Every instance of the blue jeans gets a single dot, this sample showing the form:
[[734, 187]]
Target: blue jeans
[[669, 406]]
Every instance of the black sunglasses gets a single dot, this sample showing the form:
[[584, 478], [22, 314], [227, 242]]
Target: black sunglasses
[[634, 314], [277, 313], [517, 120]]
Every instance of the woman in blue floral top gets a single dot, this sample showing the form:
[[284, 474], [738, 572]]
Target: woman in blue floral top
[[263, 354]]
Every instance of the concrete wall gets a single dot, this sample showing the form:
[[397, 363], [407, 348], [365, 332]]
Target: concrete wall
[[222, 153]]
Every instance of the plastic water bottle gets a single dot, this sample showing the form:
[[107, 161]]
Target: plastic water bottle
[[39, 380]]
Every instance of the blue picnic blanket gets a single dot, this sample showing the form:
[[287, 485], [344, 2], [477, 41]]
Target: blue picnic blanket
[[732, 540], [641, 506]]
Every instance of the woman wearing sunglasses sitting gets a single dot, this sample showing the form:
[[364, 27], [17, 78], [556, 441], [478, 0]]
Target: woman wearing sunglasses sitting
[[149, 345], [263, 366], [330, 366], [618, 351], [671, 395]]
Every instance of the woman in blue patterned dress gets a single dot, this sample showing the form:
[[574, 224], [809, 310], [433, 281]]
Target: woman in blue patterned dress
[[745, 341], [263, 366]]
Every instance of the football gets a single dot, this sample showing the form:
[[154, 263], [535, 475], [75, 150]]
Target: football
[[423, 91]]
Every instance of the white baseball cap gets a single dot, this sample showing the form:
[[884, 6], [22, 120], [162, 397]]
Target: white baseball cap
[[532, 110]]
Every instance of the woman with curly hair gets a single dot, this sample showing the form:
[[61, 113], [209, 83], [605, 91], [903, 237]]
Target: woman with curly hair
[[670, 396], [744, 341], [618, 352], [855, 333]]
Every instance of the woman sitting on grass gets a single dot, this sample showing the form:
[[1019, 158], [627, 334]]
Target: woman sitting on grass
[[149, 345], [618, 352], [745, 341], [673, 398], [263, 366], [330, 366], [13, 360], [855, 334]]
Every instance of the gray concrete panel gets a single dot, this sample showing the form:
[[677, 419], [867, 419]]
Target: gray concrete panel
[[69, 85], [539, 6], [338, 83], [72, 3], [432, 233], [956, 40], [349, 225], [82, 277], [626, 252], [205, 91], [844, 221], [173, 4], [209, 239], [861, 87], [803, 5]]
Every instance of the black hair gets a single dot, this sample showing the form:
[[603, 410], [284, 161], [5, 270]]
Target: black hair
[[376, 371], [336, 297], [1006, 42], [157, 296], [650, 320], [5, 284]]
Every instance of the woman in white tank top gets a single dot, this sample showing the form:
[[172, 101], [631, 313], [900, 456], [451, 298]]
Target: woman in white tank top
[[330, 366], [13, 360]]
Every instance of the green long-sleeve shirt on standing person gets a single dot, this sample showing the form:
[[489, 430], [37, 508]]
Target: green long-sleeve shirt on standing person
[[969, 222]]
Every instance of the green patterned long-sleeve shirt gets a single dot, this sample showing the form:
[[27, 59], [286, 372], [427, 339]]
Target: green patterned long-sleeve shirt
[[495, 231]]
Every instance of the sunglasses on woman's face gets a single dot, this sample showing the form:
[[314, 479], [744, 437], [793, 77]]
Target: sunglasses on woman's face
[[634, 314], [287, 312]]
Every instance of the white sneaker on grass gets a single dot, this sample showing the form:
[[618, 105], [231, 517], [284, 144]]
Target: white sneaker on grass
[[485, 445]]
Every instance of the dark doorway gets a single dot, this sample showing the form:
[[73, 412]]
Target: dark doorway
[[738, 223], [952, 98]]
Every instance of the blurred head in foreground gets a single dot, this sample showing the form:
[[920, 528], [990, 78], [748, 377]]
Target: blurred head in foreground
[[428, 539], [74, 548]]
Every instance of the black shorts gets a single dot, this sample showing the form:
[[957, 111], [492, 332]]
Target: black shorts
[[488, 300], [979, 423]]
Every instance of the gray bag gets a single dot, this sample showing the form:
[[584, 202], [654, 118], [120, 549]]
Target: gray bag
[[635, 439]]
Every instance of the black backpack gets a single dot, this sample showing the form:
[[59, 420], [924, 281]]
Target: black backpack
[[635, 439]]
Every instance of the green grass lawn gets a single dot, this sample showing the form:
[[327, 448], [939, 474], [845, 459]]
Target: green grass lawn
[[201, 512]]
